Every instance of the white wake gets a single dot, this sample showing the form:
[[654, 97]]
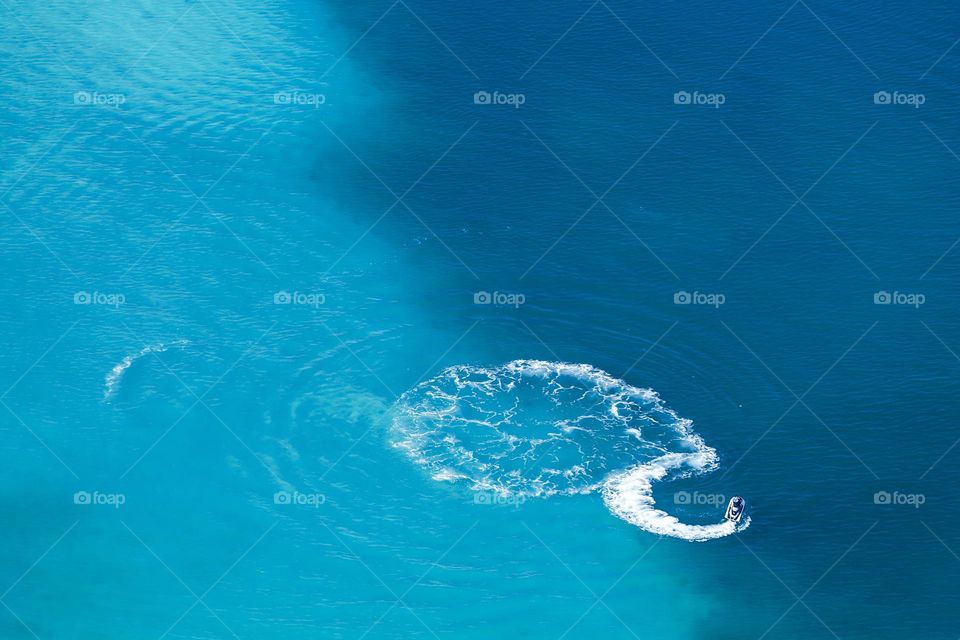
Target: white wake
[[112, 380], [535, 429]]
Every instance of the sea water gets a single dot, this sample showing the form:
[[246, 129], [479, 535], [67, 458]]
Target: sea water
[[316, 328]]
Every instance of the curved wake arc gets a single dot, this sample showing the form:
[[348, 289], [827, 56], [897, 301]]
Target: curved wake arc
[[629, 495]]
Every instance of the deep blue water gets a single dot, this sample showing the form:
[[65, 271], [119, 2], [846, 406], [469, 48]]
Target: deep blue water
[[187, 455]]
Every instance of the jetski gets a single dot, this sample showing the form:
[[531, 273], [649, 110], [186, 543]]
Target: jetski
[[735, 509]]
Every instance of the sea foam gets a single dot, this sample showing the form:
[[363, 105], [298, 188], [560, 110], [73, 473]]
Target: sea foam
[[536, 429], [112, 380]]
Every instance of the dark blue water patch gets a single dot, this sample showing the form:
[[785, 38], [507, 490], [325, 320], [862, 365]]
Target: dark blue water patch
[[799, 292]]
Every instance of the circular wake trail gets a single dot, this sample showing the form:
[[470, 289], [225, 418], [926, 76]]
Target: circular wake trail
[[535, 429]]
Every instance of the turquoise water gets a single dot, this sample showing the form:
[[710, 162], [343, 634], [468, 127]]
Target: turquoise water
[[249, 390]]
